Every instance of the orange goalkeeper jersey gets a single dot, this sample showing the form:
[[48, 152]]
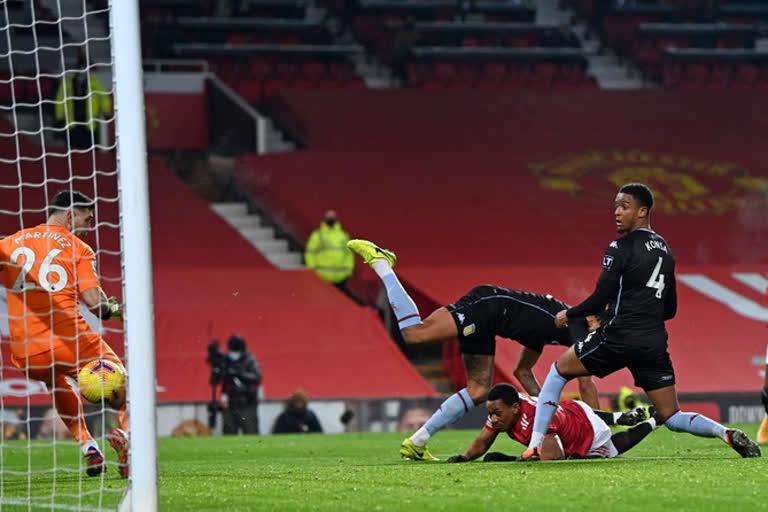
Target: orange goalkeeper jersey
[[44, 269]]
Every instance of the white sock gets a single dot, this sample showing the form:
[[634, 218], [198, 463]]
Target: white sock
[[88, 445], [549, 397], [421, 437], [453, 408], [406, 312], [652, 422], [382, 268]]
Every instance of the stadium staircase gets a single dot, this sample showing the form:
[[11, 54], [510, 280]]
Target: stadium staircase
[[263, 237], [604, 65]]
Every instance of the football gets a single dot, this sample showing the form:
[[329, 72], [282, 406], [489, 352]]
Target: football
[[101, 379]]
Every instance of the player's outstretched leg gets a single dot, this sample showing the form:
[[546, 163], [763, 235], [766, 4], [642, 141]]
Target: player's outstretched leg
[[438, 326], [628, 439], [626, 419], [668, 412], [567, 367], [70, 409], [479, 369], [382, 261]]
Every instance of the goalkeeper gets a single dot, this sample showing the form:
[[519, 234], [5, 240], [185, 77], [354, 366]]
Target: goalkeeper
[[47, 271]]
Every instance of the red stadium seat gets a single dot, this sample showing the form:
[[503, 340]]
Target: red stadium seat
[[544, 76], [444, 73], [493, 74], [250, 90], [695, 76], [466, 75], [746, 76], [671, 75], [259, 68], [313, 70], [721, 76]]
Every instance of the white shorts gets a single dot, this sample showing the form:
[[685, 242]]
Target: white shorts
[[602, 446]]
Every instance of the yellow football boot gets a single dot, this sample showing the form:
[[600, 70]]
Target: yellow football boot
[[371, 252], [410, 451]]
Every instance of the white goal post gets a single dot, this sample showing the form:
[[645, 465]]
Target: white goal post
[[137, 254], [70, 76]]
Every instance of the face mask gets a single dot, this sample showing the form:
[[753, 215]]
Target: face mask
[[233, 355]]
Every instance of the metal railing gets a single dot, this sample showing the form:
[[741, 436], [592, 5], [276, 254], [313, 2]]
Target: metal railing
[[233, 122], [175, 65]]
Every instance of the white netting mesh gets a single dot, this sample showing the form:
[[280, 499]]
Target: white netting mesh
[[56, 133]]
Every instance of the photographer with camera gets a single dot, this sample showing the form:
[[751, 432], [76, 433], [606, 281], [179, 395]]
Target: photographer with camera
[[239, 374]]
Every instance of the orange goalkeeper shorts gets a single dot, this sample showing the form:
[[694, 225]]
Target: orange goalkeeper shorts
[[63, 359]]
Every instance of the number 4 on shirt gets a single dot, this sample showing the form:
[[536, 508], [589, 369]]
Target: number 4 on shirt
[[657, 280]]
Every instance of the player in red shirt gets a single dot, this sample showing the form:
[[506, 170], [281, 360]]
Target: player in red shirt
[[575, 431]]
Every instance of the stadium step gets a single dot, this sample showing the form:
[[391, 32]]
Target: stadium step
[[430, 370], [433, 372], [606, 69], [442, 385], [263, 238], [611, 74]]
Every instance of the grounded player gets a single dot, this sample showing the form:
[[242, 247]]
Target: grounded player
[[638, 280], [576, 430], [476, 319], [44, 270]]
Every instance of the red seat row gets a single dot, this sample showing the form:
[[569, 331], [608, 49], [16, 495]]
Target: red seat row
[[715, 76], [498, 75], [262, 68], [254, 90], [257, 78]]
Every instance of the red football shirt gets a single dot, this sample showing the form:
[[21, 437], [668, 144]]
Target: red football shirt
[[569, 423]]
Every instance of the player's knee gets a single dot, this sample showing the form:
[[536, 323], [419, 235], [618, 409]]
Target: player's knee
[[670, 419], [412, 334], [556, 373]]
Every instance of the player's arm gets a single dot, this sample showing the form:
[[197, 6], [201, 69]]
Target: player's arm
[[90, 289], [98, 303], [607, 285], [478, 447], [524, 371]]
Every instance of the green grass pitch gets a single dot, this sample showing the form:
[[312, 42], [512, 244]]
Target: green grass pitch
[[362, 471]]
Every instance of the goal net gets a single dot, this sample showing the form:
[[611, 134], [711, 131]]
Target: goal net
[[59, 134]]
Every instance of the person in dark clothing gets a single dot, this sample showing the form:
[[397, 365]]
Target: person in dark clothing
[[638, 284], [296, 418], [240, 377]]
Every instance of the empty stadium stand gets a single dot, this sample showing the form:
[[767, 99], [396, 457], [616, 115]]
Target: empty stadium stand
[[689, 46], [446, 45], [518, 190]]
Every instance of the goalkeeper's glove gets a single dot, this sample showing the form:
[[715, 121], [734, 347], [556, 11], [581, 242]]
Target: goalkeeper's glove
[[115, 309], [457, 458], [499, 457]]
